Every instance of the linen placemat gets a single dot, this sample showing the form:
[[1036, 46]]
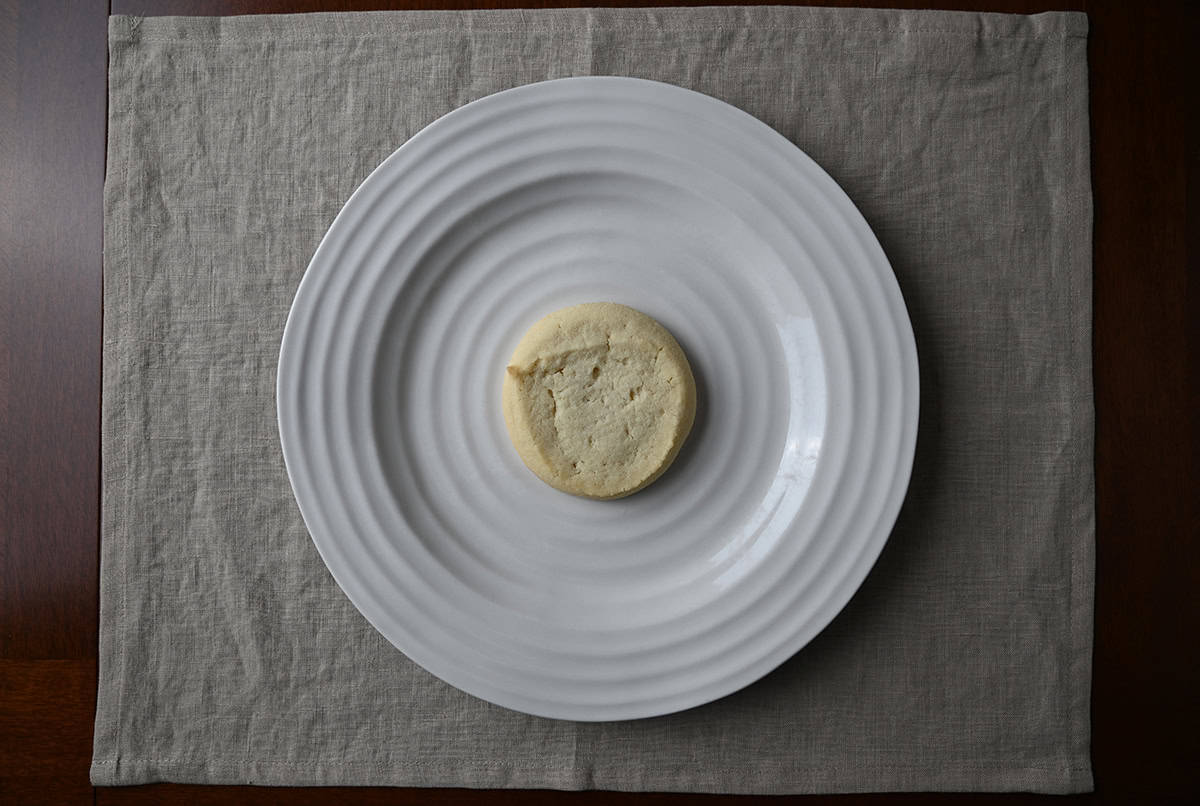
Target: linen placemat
[[227, 652]]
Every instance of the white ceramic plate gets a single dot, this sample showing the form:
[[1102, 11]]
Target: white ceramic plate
[[582, 190]]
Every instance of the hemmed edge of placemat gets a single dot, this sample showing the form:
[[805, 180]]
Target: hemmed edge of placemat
[[114, 457], [383, 24], [966, 777], [1078, 223]]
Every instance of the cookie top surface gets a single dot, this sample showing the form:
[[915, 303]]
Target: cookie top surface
[[598, 399]]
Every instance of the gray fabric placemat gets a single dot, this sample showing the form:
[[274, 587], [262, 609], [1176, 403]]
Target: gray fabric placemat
[[227, 652]]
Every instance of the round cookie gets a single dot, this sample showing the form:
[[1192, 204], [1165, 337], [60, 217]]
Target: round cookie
[[598, 399]]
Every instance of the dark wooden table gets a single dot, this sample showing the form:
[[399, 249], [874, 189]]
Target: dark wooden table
[[1146, 687]]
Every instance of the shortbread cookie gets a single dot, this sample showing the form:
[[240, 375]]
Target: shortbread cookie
[[598, 399]]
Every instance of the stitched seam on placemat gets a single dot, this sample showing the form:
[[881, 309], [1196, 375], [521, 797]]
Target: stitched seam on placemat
[[123, 358], [1080, 652], [195, 40], [1066, 252], [458, 765]]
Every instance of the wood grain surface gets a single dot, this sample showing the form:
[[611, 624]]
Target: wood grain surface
[[52, 107], [1145, 164]]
